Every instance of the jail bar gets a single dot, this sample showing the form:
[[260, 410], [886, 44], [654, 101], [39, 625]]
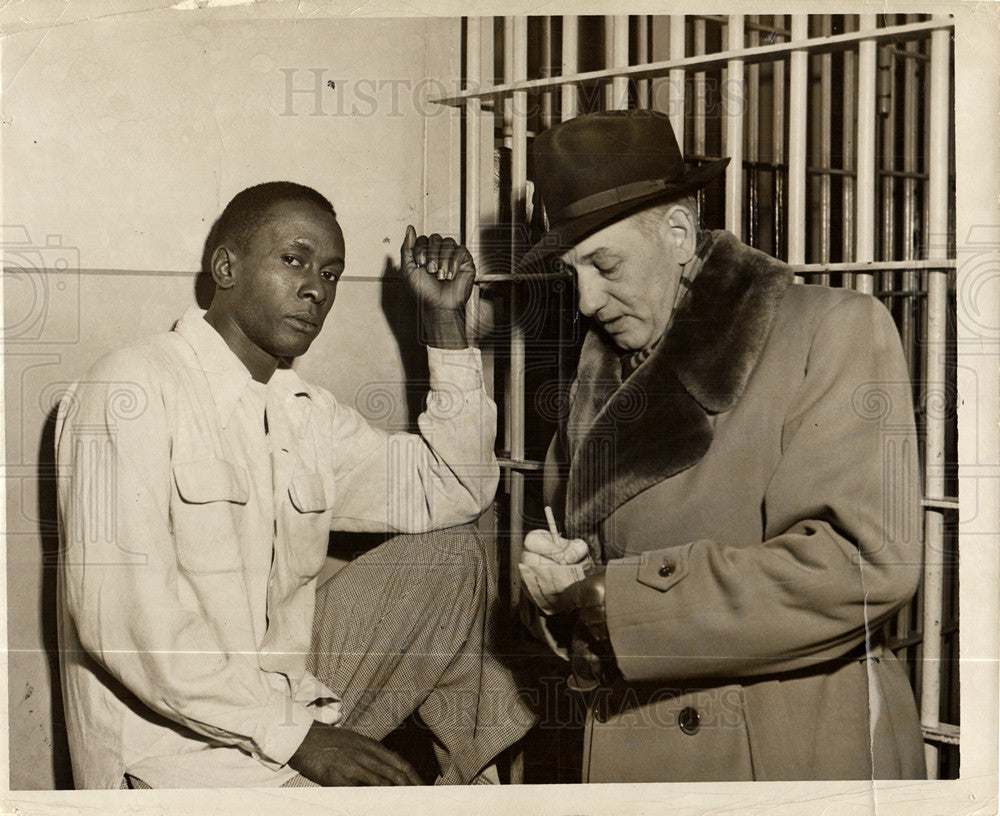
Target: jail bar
[[937, 301], [546, 71], [515, 115], [734, 95], [700, 90], [910, 220], [825, 151], [865, 185], [675, 110], [798, 112], [642, 57], [570, 66], [473, 177], [848, 227], [778, 148], [887, 114], [618, 58], [753, 133]]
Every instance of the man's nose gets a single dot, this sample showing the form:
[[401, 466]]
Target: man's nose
[[312, 288], [590, 293]]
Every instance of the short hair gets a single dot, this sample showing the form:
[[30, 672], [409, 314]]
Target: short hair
[[248, 212], [649, 219]]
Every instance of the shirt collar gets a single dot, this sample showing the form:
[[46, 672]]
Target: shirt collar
[[227, 377]]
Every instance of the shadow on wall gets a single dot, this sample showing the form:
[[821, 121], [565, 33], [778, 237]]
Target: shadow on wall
[[49, 535]]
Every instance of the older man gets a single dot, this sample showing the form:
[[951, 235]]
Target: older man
[[739, 459], [203, 479]]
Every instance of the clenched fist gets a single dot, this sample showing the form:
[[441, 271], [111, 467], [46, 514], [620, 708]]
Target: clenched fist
[[439, 272]]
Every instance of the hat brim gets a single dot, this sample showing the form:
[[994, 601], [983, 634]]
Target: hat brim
[[565, 236]]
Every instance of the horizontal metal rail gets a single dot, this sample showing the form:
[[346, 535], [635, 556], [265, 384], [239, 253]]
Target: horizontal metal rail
[[942, 732], [757, 54], [798, 269]]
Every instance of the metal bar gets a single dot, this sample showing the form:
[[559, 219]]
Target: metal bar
[[911, 108], [641, 58], [887, 115], [778, 151], [700, 90], [866, 218], [675, 109], [754, 25], [618, 59], [473, 156], [942, 264], [570, 66], [545, 109], [948, 734], [941, 504], [798, 98], [608, 27], [935, 373], [850, 151], [518, 66], [751, 162], [734, 96], [825, 149], [526, 465], [702, 62]]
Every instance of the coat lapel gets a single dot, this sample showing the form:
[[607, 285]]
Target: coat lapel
[[626, 437]]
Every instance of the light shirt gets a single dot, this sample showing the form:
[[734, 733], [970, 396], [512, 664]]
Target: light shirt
[[192, 538]]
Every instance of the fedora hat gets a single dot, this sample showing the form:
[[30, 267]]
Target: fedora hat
[[597, 169]]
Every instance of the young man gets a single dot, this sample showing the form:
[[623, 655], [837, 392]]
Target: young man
[[739, 464], [202, 480]]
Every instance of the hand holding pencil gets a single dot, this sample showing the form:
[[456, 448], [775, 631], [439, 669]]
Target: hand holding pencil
[[550, 563]]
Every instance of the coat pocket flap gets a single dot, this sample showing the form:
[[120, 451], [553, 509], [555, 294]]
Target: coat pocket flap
[[307, 493], [662, 569], [211, 480]]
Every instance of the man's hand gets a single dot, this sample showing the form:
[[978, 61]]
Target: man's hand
[[439, 273], [549, 564], [557, 549], [338, 756]]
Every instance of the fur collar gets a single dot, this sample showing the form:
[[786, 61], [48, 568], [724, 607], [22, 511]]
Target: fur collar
[[625, 437]]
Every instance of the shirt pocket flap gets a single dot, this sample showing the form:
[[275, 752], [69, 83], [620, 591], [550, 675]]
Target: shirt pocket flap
[[211, 480], [307, 493]]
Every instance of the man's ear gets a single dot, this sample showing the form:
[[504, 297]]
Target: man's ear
[[681, 231], [222, 268]]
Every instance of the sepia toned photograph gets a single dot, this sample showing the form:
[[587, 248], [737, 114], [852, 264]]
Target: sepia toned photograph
[[562, 413]]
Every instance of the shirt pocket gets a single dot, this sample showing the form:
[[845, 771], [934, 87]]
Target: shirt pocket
[[309, 523], [212, 494]]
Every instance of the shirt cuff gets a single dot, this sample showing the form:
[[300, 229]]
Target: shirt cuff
[[281, 729], [452, 369]]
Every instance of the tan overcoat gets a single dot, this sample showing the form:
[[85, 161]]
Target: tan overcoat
[[754, 490]]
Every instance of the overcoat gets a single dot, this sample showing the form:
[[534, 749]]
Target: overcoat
[[753, 488]]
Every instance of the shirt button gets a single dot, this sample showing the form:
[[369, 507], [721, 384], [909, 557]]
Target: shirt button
[[689, 720], [667, 568]]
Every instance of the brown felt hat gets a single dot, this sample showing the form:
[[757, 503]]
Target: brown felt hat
[[597, 169]]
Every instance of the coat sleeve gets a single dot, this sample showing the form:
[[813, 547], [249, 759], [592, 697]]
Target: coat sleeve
[[841, 549], [119, 574], [445, 475]]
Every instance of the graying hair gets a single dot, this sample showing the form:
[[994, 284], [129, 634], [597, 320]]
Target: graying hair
[[649, 220]]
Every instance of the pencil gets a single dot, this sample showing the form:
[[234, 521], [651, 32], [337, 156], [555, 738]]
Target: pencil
[[553, 529]]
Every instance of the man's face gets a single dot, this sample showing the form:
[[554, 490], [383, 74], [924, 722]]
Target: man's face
[[626, 278], [285, 278]]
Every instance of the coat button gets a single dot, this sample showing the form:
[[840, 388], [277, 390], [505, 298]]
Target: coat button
[[689, 720], [667, 568]]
